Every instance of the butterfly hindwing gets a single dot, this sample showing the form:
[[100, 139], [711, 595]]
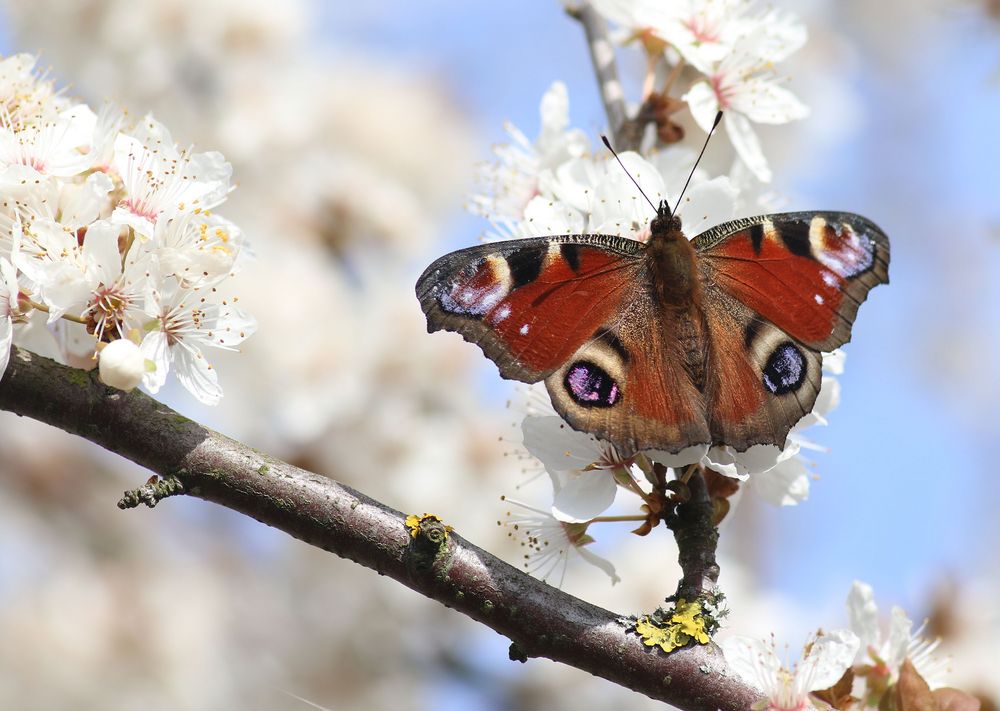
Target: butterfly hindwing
[[805, 272], [628, 384], [530, 304], [762, 380]]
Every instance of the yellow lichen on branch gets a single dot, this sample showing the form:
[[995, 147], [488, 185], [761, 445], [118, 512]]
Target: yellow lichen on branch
[[686, 623]]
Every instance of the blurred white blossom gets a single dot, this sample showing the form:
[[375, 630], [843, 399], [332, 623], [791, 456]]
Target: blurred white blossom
[[886, 651], [549, 543], [823, 664], [98, 220]]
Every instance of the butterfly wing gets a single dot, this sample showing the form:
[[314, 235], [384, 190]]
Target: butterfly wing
[[761, 380], [805, 272], [780, 289], [628, 384], [576, 311], [530, 304]]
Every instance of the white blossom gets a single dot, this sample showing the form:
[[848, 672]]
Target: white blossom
[[121, 364], [9, 310], [745, 86], [784, 688], [61, 147], [107, 233], [583, 468], [185, 321], [551, 543], [524, 165], [887, 650], [162, 180]]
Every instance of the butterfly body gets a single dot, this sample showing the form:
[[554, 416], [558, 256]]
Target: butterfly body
[[670, 343]]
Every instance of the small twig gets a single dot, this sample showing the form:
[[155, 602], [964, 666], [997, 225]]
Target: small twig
[[152, 492], [602, 56], [673, 76], [45, 309], [697, 538]]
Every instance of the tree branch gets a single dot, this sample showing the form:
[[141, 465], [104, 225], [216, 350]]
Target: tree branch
[[697, 538], [540, 620]]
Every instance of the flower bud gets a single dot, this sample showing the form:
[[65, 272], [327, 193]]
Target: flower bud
[[122, 364]]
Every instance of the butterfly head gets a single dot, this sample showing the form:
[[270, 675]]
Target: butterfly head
[[665, 224]]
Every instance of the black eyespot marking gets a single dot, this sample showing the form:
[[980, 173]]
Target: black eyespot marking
[[571, 253], [590, 386], [785, 370], [525, 265], [795, 235], [757, 237], [750, 334], [612, 341]]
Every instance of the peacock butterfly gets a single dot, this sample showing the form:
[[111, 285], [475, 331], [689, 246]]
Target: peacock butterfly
[[668, 343]]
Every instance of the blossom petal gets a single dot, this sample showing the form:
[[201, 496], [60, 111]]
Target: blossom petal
[[781, 33], [194, 373], [554, 108], [753, 660], [154, 348], [100, 250], [721, 459], [833, 362], [6, 338], [81, 204], [828, 658], [862, 613], [543, 216], [603, 564], [747, 145], [763, 101], [688, 455], [787, 484], [704, 105], [708, 203], [900, 634], [585, 496], [558, 446]]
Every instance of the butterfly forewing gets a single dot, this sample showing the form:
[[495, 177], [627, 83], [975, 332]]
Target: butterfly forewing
[[530, 304], [805, 272]]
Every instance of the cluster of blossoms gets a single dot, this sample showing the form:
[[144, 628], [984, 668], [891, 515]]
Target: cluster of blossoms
[[860, 667], [557, 185], [110, 250], [733, 45]]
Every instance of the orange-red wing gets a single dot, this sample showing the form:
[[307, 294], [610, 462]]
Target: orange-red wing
[[805, 272], [531, 303]]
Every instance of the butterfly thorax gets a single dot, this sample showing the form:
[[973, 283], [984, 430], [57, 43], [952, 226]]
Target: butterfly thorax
[[674, 272], [673, 263]]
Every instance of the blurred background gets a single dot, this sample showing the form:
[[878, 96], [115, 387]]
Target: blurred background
[[354, 134]]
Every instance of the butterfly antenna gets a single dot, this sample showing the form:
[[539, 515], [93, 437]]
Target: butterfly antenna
[[715, 124], [608, 144]]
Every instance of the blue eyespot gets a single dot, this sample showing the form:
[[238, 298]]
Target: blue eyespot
[[785, 370], [590, 386]]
